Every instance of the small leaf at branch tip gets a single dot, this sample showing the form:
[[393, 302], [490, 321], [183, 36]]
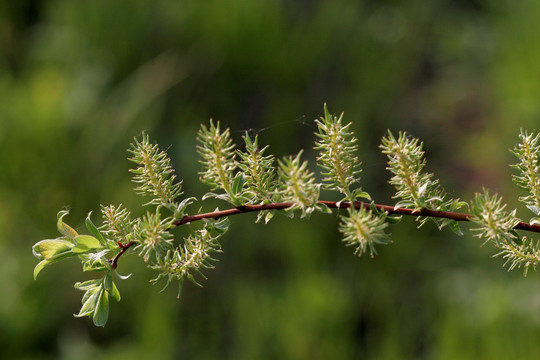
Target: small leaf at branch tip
[[64, 228], [39, 267], [123, 277], [93, 229]]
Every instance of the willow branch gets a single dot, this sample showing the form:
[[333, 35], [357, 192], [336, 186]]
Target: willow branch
[[123, 249], [390, 210]]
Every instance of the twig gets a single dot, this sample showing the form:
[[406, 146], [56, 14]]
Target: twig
[[123, 249], [390, 210]]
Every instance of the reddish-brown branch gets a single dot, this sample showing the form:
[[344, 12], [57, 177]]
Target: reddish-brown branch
[[332, 204], [390, 210], [123, 249]]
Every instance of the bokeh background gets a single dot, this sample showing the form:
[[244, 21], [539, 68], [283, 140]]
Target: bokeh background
[[78, 80]]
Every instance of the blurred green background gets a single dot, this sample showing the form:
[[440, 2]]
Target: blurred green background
[[78, 80]]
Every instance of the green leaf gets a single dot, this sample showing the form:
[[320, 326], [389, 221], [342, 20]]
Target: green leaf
[[393, 219], [40, 267], [454, 226], [47, 249], [86, 243], [221, 226], [181, 207], [92, 291], [115, 293], [238, 183], [287, 212], [94, 230], [209, 195], [404, 204], [89, 301], [101, 312], [375, 210], [362, 194], [323, 208], [107, 281], [422, 189], [95, 266], [87, 285], [64, 228], [123, 277], [268, 217], [52, 259]]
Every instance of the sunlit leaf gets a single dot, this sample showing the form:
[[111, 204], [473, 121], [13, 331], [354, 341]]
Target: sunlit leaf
[[101, 312], [87, 285], [86, 243], [52, 260], [115, 293], [93, 229], [64, 228], [40, 267], [123, 277], [89, 302], [46, 249]]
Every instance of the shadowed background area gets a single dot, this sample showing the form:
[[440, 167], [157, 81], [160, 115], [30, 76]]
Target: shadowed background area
[[78, 80]]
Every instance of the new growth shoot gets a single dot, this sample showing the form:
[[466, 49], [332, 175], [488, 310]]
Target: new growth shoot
[[249, 179]]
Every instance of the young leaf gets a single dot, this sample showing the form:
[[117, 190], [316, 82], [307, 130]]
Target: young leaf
[[47, 249], [107, 281], [115, 293], [52, 260], [101, 312], [238, 184], [89, 301], [40, 267], [123, 277], [95, 261], [85, 243], [64, 228], [87, 285], [51, 251], [94, 230]]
